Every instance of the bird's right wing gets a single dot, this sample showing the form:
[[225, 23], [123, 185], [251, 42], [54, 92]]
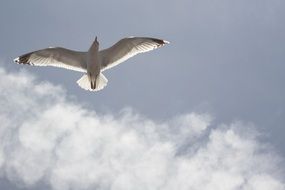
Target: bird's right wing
[[57, 57], [127, 48]]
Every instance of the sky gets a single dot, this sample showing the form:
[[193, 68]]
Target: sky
[[207, 107]]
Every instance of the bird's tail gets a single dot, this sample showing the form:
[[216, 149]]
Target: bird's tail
[[101, 82]]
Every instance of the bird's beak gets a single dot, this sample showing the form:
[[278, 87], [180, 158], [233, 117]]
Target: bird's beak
[[96, 39]]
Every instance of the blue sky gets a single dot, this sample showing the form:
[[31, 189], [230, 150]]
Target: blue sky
[[225, 62]]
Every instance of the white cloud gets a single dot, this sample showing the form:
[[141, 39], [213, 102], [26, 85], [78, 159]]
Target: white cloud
[[46, 137]]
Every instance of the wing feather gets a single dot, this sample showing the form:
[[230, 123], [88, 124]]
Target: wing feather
[[57, 57], [127, 48]]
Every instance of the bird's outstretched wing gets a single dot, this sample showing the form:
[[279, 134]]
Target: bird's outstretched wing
[[57, 57], [127, 48]]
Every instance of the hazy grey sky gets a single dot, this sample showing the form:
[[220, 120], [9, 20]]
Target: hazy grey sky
[[226, 60]]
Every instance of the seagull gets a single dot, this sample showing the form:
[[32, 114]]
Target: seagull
[[93, 62]]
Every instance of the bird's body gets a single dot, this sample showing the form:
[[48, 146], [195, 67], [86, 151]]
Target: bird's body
[[92, 62]]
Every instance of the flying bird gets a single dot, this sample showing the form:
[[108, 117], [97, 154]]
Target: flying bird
[[93, 62]]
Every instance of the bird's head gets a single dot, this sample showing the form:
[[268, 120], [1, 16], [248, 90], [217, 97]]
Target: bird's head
[[96, 41], [95, 45]]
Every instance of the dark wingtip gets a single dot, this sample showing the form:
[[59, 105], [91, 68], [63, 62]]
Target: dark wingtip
[[23, 59], [16, 60], [160, 41]]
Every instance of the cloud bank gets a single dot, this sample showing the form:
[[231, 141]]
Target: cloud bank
[[45, 137]]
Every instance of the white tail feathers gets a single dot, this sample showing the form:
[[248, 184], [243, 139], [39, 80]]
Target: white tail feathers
[[101, 82]]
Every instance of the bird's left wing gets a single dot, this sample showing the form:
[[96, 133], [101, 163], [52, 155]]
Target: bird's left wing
[[127, 48], [57, 57]]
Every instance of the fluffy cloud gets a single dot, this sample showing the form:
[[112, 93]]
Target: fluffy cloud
[[45, 137]]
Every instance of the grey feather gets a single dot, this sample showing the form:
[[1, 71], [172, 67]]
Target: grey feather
[[57, 57], [127, 48]]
